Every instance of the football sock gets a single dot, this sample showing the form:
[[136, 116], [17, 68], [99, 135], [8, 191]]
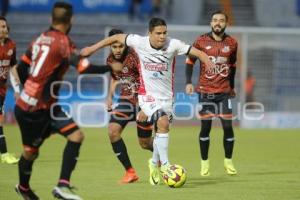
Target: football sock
[[120, 150], [204, 139], [162, 144], [25, 168], [228, 139], [155, 154], [69, 161], [3, 148]]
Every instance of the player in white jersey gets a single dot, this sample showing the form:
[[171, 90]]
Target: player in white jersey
[[157, 62]]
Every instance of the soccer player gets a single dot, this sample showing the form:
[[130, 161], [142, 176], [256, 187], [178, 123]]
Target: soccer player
[[215, 87], [127, 106], [7, 61], [155, 96], [47, 60]]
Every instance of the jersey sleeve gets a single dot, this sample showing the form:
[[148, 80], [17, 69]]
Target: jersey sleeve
[[13, 60], [133, 40], [26, 57], [191, 60], [233, 56], [181, 47]]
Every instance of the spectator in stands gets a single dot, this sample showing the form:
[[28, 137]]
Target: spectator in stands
[[249, 87], [4, 7], [135, 10], [161, 8]]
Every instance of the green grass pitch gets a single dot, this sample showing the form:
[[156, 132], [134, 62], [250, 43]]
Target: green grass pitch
[[268, 163]]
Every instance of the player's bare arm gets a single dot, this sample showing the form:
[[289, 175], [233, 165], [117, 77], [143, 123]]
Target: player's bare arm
[[88, 51], [203, 57], [15, 81], [112, 89]]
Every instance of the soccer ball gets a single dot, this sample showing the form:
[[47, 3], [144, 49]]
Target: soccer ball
[[174, 176]]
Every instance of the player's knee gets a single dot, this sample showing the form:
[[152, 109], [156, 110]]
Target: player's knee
[[77, 136], [114, 132], [146, 143], [30, 154], [163, 124]]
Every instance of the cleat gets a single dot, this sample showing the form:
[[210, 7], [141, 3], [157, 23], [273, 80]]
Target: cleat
[[130, 176], [164, 168], [65, 193], [204, 168], [154, 178], [9, 158], [26, 194], [229, 168]]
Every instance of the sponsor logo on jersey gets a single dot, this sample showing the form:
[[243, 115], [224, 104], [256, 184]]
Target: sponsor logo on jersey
[[4, 72], [156, 66], [4, 63], [218, 59], [218, 69], [208, 47]]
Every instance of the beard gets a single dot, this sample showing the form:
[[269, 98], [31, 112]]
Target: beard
[[218, 32], [122, 56], [69, 29]]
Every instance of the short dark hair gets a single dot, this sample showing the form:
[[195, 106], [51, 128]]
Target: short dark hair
[[3, 18], [219, 12], [156, 22], [62, 13], [114, 32]]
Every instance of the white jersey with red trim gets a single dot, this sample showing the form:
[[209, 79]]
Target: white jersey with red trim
[[157, 65]]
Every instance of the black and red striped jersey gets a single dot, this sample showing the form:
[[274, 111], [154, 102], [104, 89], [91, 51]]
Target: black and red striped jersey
[[48, 57], [129, 76], [7, 60], [223, 54]]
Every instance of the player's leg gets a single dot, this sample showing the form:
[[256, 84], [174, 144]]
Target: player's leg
[[120, 116], [33, 127], [161, 139], [5, 156], [65, 125], [153, 109], [206, 114], [228, 138], [144, 132], [204, 141]]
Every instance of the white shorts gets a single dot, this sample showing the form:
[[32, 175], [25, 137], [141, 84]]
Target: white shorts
[[149, 105]]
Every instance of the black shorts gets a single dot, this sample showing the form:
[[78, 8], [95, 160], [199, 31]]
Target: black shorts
[[126, 112], [36, 126], [215, 105], [2, 99]]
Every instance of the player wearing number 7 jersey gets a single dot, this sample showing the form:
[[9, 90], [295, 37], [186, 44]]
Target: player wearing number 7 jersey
[[48, 59]]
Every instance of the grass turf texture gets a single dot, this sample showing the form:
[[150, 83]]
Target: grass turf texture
[[268, 163]]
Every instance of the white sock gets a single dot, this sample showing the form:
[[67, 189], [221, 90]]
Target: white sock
[[155, 154], [162, 143]]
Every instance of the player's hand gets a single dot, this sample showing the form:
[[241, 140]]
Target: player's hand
[[141, 117], [232, 93], [116, 66], [109, 104], [86, 51], [189, 89], [210, 64]]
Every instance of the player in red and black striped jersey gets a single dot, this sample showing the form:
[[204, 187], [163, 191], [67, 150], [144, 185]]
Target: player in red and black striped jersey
[[7, 62], [40, 70], [127, 107], [215, 87]]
